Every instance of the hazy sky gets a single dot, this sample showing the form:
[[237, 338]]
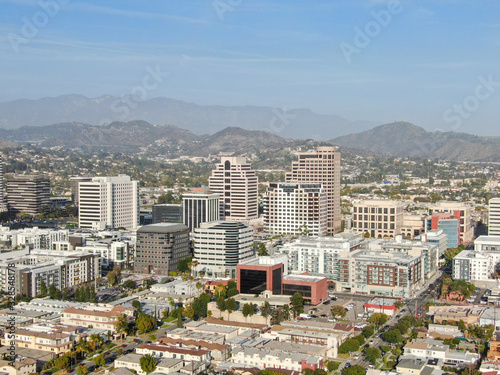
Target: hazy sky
[[435, 63]]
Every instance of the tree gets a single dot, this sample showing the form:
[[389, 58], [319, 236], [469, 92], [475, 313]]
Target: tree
[[372, 354], [297, 304], [265, 309], [262, 250], [62, 362], [379, 319], [248, 309], [43, 289], [179, 321], [348, 346], [122, 324], [332, 366], [182, 265], [112, 279], [354, 370], [231, 292], [338, 311], [403, 326], [148, 363], [199, 285], [221, 303], [82, 370], [230, 306], [189, 312], [99, 360], [393, 336], [368, 331], [145, 323], [231, 284], [129, 284], [200, 305], [52, 291], [137, 305]]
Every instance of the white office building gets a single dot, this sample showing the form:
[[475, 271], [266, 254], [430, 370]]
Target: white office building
[[494, 217], [200, 206], [295, 208], [109, 202], [219, 246]]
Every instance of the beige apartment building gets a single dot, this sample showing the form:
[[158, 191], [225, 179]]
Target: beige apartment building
[[54, 340], [98, 316], [321, 166], [381, 218], [237, 184]]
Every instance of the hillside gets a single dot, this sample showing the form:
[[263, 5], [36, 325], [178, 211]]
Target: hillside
[[406, 139], [141, 136], [199, 119]]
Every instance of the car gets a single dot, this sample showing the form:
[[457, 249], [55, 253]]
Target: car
[[314, 316], [347, 365], [243, 299], [371, 342], [332, 320], [356, 356], [326, 303], [124, 345], [382, 352], [324, 315]]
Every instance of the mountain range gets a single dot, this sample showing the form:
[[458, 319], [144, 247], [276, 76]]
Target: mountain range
[[397, 139], [199, 119]]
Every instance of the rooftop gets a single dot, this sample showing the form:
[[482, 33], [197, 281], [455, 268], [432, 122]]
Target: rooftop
[[162, 228]]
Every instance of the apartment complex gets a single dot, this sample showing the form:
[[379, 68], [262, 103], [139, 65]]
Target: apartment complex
[[459, 211], [471, 265], [109, 202], [237, 184], [380, 218], [200, 206], [321, 166], [494, 217], [219, 246], [98, 316], [159, 248], [28, 194], [320, 255], [295, 208]]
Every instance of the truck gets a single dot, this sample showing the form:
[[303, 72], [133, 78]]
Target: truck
[[305, 316]]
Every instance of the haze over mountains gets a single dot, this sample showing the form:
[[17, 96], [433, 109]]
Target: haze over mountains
[[190, 129], [199, 119]]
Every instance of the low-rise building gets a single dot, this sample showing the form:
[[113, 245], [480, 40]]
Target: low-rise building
[[164, 365], [276, 359], [98, 316]]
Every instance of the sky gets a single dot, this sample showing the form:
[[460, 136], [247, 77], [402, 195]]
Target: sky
[[434, 63]]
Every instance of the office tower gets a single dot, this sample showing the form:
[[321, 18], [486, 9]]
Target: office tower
[[295, 208], [237, 183], [75, 186], [28, 194], [321, 166], [459, 211], [219, 246], [381, 218], [109, 202], [168, 213], [200, 206], [159, 248], [494, 217], [2, 193]]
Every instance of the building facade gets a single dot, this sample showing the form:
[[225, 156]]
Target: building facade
[[28, 194], [237, 184], [321, 166], [200, 206], [109, 202], [381, 218], [159, 248], [219, 246], [494, 217], [295, 208], [459, 211], [167, 213]]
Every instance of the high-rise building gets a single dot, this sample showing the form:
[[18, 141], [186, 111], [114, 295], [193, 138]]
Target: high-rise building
[[321, 166], [494, 217], [159, 248], [459, 211], [219, 246], [200, 206], [381, 218], [2, 191], [109, 202], [295, 208], [28, 194], [237, 183], [75, 187]]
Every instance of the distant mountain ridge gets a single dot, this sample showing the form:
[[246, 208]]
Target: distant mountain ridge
[[406, 139], [141, 136], [199, 119]]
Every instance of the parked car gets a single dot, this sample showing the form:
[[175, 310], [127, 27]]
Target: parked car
[[347, 365]]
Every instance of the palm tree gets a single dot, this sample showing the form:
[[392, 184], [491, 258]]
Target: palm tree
[[94, 341], [121, 325]]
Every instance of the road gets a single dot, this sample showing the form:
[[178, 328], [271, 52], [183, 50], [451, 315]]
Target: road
[[411, 306]]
